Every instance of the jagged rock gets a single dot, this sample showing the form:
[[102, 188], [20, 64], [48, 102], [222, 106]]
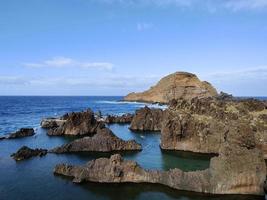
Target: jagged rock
[[237, 170], [147, 119], [124, 119], [174, 86], [50, 123], [77, 123], [26, 153], [203, 125], [103, 141], [23, 132]]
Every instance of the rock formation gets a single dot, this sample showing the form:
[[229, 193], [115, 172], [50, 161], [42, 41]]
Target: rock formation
[[51, 123], [23, 132], [203, 125], [147, 119], [237, 170], [77, 123], [26, 153], [174, 86], [124, 119], [103, 141]]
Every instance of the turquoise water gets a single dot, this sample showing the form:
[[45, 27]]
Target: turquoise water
[[34, 179]]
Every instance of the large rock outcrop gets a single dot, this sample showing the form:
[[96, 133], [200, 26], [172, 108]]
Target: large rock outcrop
[[203, 125], [77, 123], [174, 86], [147, 119], [52, 123], [237, 170], [103, 141], [26, 153]]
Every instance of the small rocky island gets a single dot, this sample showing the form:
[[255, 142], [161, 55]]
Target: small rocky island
[[197, 119]]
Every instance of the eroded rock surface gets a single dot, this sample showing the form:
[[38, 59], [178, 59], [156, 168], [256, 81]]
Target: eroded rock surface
[[77, 123], [26, 153], [174, 86], [124, 119], [147, 119], [237, 170], [203, 125], [23, 132], [50, 123], [103, 141]]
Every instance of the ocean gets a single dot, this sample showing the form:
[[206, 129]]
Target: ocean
[[33, 179]]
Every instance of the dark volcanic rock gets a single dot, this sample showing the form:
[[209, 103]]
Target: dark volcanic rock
[[23, 132], [147, 119], [51, 123], [237, 170], [204, 125], [26, 153], [124, 119], [103, 141], [79, 123]]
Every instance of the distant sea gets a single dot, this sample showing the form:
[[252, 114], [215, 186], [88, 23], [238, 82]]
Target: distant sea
[[34, 179]]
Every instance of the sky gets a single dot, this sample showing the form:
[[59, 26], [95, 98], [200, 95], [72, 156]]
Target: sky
[[113, 47]]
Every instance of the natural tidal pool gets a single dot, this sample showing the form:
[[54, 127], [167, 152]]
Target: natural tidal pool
[[34, 179]]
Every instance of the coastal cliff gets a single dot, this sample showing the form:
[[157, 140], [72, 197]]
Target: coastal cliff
[[174, 86]]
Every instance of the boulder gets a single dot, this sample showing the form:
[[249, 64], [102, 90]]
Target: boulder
[[26, 153], [77, 123], [124, 119], [237, 170], [103, 141], [147, 119], [23, 132], [174, 86]]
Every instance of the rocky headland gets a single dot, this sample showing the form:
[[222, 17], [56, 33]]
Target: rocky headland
[[123, 119], [174, 86], [23, 132]]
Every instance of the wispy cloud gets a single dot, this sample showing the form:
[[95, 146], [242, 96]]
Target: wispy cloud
[[144, 26], [210, 5], [61, 62]]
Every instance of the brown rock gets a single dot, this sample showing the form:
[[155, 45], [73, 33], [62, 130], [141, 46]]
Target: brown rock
[[124, 119], [23, 132], [174, 86], [26, 153], [79, 123], [51, 123], [103, 141], [237, 170], [147, 119]]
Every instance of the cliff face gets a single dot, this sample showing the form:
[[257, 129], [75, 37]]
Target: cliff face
[[174, 86]]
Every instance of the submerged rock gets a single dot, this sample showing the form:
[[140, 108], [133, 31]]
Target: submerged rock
[[124, 119], [50, 123], [147, 119], [23, 132], [237, 170], [26, 153], [103, 141], [174, 86], [77, 123]]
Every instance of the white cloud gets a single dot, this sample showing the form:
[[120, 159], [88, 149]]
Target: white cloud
[[61, 62], [246, 4], [144, 26]]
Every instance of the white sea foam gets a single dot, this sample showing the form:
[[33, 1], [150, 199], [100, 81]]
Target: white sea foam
[[136, 104]]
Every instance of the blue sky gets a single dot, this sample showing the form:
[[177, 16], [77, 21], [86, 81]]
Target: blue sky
[[112, 47]]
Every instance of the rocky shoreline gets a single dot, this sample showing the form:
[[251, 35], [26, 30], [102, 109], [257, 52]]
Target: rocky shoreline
[[197, 119]]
